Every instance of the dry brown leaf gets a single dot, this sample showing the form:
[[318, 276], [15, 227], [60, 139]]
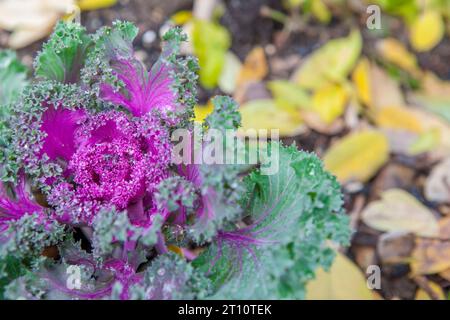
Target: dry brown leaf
[[365, 256], [255, 67], [392, 176], [251, 91], [430, 256], [400, 141], [397, 210], [31, 20], [385, 90], [314, 121], [445, 274], [395, 247], [444, 228], [437, 186]]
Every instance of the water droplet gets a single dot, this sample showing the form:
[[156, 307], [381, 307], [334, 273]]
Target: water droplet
[[161, 272]]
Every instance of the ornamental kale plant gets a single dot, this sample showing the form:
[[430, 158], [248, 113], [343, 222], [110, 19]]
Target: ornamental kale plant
[[93, 207]]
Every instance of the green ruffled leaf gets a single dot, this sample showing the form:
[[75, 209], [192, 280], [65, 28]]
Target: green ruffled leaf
[[13, 76], [294, 214], [64, 54], [170, 277], [225, 115]]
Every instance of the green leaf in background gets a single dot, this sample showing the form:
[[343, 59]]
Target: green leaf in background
[[289, 94], [13, 76], [230, 73], [294, 213], [267, 114], [319, 10], [407, 9], [211, 42], [64, 54]]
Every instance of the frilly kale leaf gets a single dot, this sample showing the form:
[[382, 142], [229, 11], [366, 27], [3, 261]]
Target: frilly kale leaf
[[263, 236], [21, 249], [220, 187], [293, 213], [112, 229], [28, 236], [27, 139], [13, 76], [64, 54], [13, 80], [170, 277], [225, 115]]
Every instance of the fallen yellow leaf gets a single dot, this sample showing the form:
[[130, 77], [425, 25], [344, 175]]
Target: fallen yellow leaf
[[289, 94], [321, 11], [427, 141], [31, 20], [399, 118], [255, 67], [181, 17], [95, 4], [330, 102], [201, 112], [362, 81], [399, 211], [344, 281], [331, 63], [430, 256], [265, 114], [357, 156], [395, 52], [427, 31]]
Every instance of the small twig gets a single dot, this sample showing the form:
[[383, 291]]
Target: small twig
[[355, 214], [422, 282], [275, 15]]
